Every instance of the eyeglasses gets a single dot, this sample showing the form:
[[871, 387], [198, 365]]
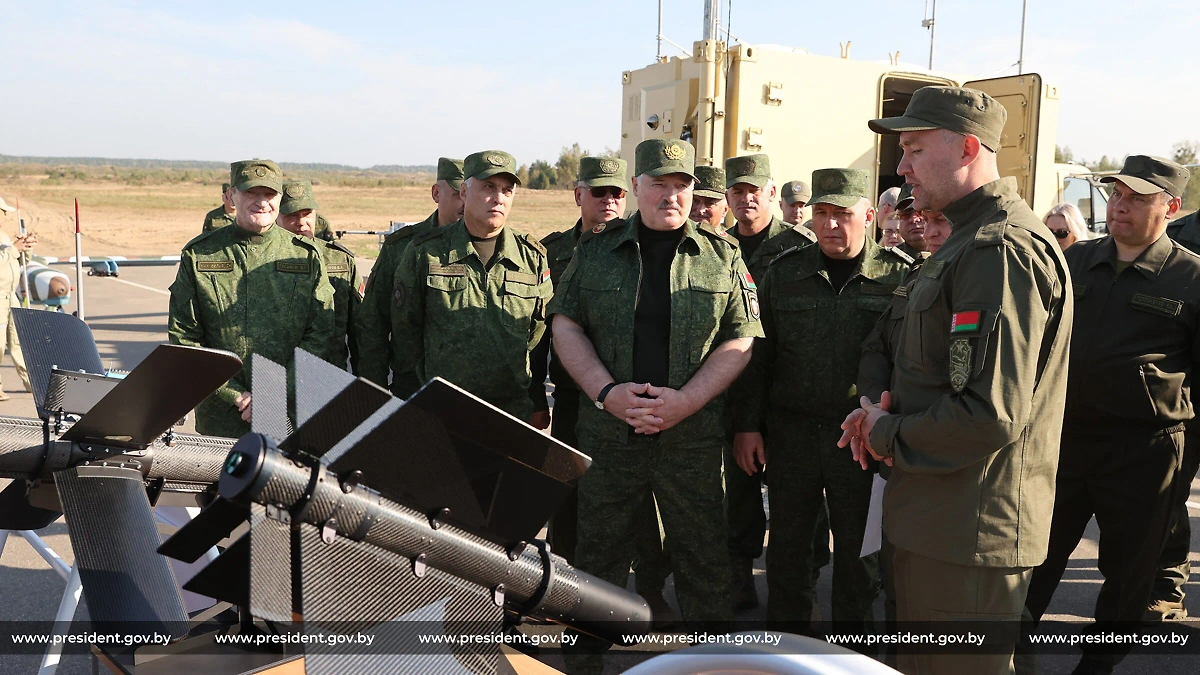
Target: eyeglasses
[[1061, 234], [602, 192]]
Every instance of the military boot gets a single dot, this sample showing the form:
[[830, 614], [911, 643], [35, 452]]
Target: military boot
[[1165, 610], [745, 594]]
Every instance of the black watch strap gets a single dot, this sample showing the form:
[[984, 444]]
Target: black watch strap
[[604, 392]]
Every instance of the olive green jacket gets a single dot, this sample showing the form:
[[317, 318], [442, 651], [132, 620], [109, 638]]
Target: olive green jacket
[[713, 300], [475, 327], [807, 364], [373, 323], [560, 248], [249, 294], [979, 388], [217, 218], [879, 349], [343, 276]]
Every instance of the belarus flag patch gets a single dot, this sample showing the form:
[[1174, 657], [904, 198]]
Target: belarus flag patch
[[748, 281], [964, 322]]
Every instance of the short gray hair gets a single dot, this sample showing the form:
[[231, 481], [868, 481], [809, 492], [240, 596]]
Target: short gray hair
[[1075, 223], [889, 197]]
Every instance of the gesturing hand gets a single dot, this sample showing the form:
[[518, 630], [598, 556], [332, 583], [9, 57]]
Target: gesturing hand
[[856, 429]]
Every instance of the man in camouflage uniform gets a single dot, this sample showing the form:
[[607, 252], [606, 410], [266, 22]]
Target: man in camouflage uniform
[[818, 303], [373, 324], [794, 196], [1174, 566], [912, 226], [469, 299], [298, 215], [250, 289], [223, 215], [10, 283], [654, 320], [708, 197], [761, 236], [972, 422]]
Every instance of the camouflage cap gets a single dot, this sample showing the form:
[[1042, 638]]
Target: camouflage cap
[[752, 169], [234, 168], [659, 157], [603, 172], [297, 196], [258, 173], [451, 171], [1148, 175], [710, 182], [840, 187], [224, 188], [796, 191], [962, 110], [490, 163], [905, 200]]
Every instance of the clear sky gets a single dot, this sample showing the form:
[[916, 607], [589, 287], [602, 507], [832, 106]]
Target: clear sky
[[403, 82]]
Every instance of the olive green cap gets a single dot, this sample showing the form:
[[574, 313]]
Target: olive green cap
[[258, 173], [710, 182], [962, 110], [297, 196], [224, 188], [796, 191], [905, 200], [659, 157], [234, 168], [840, 187], [752, 169], [603, 172], [451, 171], [490, 163], [1148, 175]]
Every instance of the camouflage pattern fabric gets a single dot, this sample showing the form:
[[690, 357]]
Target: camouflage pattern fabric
[[343, 276], [373, 324], [249, 294], [474, 326], [217, 218], [323, 230]]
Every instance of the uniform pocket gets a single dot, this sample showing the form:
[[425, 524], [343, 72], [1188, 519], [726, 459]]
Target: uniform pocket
[[447, 292], [521, 304], [708, 297]]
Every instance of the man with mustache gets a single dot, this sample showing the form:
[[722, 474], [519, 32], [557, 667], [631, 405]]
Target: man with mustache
[[469, 299], [250, 288], [750, 192], [972, 419], [818, 304], [653, 320], [373, 323]]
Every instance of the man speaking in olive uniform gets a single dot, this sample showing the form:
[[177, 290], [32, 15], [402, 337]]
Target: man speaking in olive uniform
[[761, 236], [252, 288], [818, 305], [1137, 313], [973, 418], [654, 320], [373, 324], [298, 215], [469, 299]]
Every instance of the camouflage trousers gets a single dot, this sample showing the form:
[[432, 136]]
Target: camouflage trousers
[[804, 462]]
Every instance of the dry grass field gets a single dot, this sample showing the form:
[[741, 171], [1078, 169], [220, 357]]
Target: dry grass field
[[137, 220]]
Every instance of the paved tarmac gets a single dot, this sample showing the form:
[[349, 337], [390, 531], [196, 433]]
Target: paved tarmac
[[128, 317]]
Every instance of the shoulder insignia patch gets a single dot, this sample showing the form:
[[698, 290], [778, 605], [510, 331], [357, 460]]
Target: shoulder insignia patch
[[551, 238], [399, 235], [782, 254], [992, 234], [932, 268], [719, 233], [804, 232], [901, 291], [900, 254], [337, 246], [201, 237], [960, 363], [214, 265], [432, 234], [292, 267]]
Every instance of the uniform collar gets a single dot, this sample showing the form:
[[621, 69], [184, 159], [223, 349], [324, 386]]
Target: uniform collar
[[242, 236], [431, 220], [869, 264], [774, 228], [461, 247], [981, 202], [691, 236], [1150, 262]]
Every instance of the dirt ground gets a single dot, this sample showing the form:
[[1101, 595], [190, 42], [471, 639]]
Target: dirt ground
[[132, 220]]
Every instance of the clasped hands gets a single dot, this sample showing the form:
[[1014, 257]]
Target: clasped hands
[[856, 430], [646, 408]]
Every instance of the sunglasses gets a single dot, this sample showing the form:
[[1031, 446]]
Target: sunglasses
[[602, 192], [1061, 234]]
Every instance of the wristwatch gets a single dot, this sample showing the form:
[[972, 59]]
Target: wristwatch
[[603, 392]]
